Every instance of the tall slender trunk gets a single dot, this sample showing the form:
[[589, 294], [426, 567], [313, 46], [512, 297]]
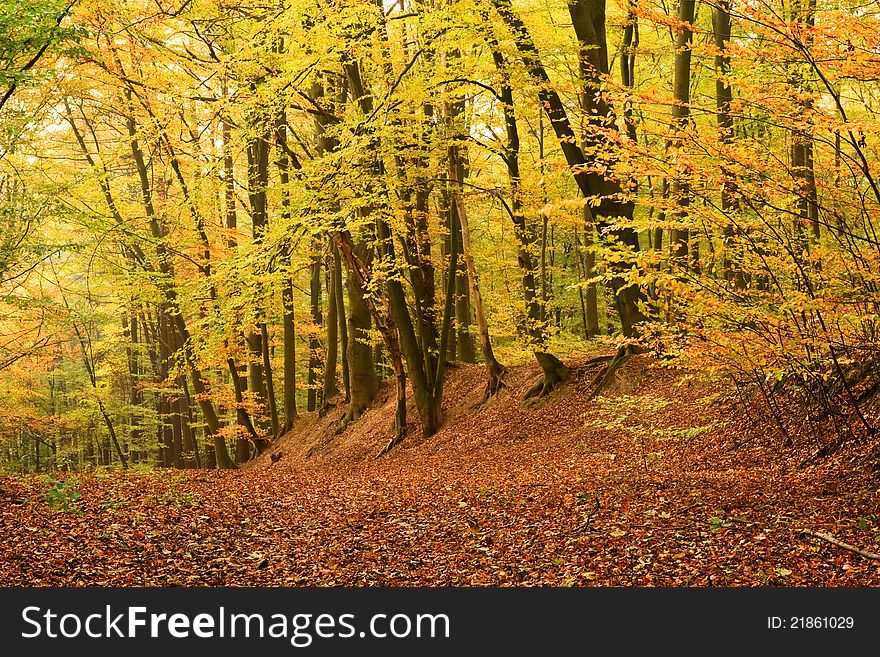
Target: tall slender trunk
[[331, 389], [588, 21], [362, 370], [464, 338], [723, 99], [456, 157], [258, 181], [283, 162], [802, 159], [314, 341], [170, 293], [340, 316], [135, 397], [495, 371], [446, 332], [290, 412], [628, 49], [535, 325], [681, 192], [450, 246]]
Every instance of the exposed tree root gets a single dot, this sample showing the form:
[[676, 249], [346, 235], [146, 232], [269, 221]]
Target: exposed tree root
[[496, 374], [555, 373], [353, 413], [325, 408], [598, 359], [606, 374], [396, 439], [399, 426]]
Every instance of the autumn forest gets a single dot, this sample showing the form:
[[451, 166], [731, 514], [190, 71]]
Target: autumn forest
[[262, 234]]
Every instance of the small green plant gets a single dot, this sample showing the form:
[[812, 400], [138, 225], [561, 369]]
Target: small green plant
[[61, 496], [173, 496], [680, 434], [717, 523], [867, 521]]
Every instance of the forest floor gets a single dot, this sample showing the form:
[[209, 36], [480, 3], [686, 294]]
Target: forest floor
[[664, 479]]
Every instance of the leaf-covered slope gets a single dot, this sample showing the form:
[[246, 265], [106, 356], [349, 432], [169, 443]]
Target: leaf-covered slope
[[657, 482]]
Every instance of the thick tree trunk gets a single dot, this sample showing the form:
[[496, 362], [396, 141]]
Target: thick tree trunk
[[362, 371]]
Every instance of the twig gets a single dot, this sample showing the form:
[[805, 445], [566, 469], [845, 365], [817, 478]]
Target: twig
[[841, 544], [688, 508], [585, 526]]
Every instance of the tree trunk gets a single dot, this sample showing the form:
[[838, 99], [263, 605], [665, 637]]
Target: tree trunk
[[723, 99], [189, 437], [628, 49], [362, 371], [314, 342], [270, 384], [535, 325], [446, 326], [588, 20], [135, 397], [679, 237], [331, 389], [258, 181], [340, 315], [802, 164], [287, 317], [495, 371]]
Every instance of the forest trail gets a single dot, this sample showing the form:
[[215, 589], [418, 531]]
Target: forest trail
[[661, 480]]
